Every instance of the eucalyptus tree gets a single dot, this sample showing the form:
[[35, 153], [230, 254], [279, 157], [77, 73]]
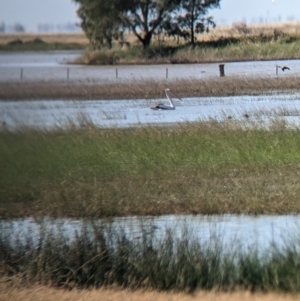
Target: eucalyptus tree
[[144, 17], [191, 18], [100, 20], [103, 20]]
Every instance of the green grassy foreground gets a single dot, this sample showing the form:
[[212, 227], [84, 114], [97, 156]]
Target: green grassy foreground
[[205, 168]]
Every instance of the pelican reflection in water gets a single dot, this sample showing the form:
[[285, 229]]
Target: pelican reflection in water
[[171, 106]]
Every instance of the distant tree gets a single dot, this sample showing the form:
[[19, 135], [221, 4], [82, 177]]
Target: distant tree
[[191, 18], [2, 27], [18, 27]]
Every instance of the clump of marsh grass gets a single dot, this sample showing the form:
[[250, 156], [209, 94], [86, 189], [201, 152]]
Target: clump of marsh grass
[[111, 258], [107, 57]]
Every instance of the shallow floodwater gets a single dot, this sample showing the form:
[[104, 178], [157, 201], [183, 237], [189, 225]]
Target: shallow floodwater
[[54, 65], [246, 231], [123, 113], [259, 233]]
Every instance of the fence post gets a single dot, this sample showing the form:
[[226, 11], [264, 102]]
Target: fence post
[[221, 68], [68, 73], [21, 74], [116, 72], [167, 73]]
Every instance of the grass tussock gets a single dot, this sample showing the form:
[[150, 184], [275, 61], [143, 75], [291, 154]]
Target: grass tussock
[[148, 89], [208, 168]]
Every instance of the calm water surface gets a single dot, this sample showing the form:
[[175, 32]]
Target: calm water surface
[[123, 113], [53, 65], [247, 232]]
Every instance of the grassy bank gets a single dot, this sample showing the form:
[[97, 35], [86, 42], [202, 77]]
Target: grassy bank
[[239, 42], [147, 89], [190, 168], [247, 48]]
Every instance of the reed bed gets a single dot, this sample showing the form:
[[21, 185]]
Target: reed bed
[[113, 259], [147, 89], [199, 168]]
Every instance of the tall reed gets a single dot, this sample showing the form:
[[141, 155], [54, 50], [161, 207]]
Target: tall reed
[[113, 258]]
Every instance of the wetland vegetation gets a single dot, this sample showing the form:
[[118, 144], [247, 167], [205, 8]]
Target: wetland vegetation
[[112, 260], [198, 168], [147, 89]]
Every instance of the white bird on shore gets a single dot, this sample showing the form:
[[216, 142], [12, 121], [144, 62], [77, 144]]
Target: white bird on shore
[[171, 106]]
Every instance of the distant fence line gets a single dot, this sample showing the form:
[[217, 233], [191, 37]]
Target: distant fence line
[[68, 73], [121, 73]]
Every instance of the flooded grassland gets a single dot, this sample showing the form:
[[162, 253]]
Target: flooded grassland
[[93, 151]]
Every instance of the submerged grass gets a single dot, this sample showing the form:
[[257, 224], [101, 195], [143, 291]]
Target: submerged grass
[[208, 168]]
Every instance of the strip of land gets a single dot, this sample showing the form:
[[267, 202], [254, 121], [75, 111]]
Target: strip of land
[[148, 89]]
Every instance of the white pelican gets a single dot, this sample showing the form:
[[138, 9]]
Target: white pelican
[[171, 106]]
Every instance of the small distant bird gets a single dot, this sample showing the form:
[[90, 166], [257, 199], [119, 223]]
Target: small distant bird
[[246, 115], [283, 68]]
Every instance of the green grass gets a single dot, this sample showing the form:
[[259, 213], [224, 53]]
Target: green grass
[[271, 46], [192, 168]]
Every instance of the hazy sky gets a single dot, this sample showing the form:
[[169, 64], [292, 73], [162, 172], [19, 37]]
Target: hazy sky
[[30, 13]]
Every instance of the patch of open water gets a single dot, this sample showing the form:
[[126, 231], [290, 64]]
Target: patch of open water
[[53, 65], [125, 113], [249, 233]]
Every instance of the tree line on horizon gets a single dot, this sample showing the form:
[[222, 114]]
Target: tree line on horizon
[[104, 21]]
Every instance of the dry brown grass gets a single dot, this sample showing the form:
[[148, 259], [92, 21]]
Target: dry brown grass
[[49, 294], [79, 38], [146, 89], [291, 27]]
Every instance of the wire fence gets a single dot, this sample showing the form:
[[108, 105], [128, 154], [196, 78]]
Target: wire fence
[[109, 73]]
